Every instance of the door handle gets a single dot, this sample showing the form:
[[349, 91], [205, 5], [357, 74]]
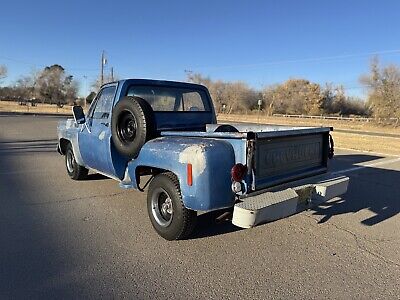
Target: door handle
[[105, 124]]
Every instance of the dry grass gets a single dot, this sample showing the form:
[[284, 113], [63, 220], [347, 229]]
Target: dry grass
[[8, 106], [379, 144], [356, 141], [350, 125]]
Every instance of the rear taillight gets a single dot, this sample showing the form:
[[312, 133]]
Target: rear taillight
[[189, 175], [238, 172]]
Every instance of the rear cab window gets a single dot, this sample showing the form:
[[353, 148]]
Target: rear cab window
[[171, 99]]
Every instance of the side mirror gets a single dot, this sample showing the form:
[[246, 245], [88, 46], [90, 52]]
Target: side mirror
[[79, 115]]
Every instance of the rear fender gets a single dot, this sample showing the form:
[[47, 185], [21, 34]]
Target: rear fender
[[211, 162]]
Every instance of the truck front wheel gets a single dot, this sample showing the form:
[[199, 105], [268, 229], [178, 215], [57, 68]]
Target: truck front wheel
[[74, 170], [169, 217]]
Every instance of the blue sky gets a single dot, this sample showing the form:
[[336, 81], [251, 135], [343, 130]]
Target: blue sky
[[259, 42]]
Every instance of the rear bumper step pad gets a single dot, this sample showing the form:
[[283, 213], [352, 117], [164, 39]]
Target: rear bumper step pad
[[271, 206]]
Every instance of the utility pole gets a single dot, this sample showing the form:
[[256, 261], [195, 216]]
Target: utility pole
[[189, 74], [103, 62], [112, 73], [259, 102], [85, 89]]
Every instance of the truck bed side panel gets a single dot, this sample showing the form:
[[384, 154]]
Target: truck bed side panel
[[211, 162]]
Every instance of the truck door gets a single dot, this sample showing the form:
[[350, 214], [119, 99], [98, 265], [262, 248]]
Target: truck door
[[95, 140]]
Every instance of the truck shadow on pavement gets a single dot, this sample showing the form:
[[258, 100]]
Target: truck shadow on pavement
[[96, 176], [31, 254], [376, 189], [28, 146], [371, 188], [208, 225], [38, 146]]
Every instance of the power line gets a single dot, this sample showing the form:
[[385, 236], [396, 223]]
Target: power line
[[20, 61], [313, 59], [34, 65]]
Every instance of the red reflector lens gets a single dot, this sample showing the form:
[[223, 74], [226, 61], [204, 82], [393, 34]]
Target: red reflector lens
[[189, 175], [238, 172]]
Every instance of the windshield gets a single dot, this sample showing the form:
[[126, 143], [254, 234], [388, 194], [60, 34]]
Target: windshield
[[167, 99]]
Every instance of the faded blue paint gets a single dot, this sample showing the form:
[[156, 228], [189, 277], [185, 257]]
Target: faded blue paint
[[68, 130], [212, 161], [226, 135], [95, 143], [236, 139], [212, 154]]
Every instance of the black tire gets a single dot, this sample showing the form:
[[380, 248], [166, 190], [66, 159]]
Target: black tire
[[132, 124], [178, 222], [74, 170]]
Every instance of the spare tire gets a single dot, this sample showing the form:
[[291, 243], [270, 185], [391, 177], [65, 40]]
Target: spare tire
[[226, 128], [132, 124]]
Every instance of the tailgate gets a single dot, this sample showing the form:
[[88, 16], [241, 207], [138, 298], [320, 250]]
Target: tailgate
[[289, 155]]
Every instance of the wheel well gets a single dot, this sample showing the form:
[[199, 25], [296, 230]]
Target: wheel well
[[63, 143], [146, 170]]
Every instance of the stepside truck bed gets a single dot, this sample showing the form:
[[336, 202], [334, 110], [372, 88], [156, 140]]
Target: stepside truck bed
[[274, 154]]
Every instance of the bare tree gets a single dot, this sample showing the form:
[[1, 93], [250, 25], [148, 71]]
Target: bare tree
[[24, 87], [234, 96], [3, 72], [95, 86], [295, 96], [383, 84], [53, 85]]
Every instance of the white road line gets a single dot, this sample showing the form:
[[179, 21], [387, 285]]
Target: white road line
[[379, 163]]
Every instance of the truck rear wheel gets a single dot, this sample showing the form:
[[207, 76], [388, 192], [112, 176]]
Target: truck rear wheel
[[132, 124], [74, 170], [169, 217]]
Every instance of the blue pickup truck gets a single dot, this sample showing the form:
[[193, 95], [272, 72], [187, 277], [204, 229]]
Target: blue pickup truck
[[164, 135]]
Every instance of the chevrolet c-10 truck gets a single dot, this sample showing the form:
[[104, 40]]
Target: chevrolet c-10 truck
[[166, 133]]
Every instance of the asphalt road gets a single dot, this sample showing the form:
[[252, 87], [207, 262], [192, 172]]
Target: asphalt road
[[65, 239]]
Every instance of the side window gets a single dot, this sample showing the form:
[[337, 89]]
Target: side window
[[92, 106], [104, 103]]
